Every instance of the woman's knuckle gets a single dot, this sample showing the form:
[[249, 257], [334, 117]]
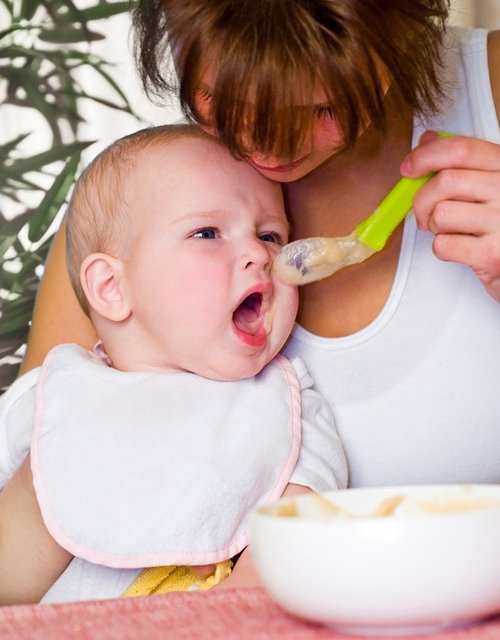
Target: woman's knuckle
[[491, 255], [449, 179], [442, 212], [463, 150]]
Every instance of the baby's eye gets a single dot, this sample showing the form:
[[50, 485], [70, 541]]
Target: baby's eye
[[324, 113], [208, 233], [271, 236]]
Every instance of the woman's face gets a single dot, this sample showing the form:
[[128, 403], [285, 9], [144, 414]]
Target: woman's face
[[325, 140]]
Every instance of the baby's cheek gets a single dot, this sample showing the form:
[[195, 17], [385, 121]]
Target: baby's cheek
[[286, 311]]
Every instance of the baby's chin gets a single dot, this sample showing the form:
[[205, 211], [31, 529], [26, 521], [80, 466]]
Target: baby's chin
[[240, 368]]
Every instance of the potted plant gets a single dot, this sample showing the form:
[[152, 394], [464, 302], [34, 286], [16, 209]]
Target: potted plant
[[43, 48]]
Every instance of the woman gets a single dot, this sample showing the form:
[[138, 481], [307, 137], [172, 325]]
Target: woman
[[329, 97]]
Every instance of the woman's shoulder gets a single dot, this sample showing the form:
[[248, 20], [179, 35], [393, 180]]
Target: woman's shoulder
[[494, 66]]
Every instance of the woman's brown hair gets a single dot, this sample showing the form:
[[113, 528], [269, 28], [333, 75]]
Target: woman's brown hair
[[265, 59]]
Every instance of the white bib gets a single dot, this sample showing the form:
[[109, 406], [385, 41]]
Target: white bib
[[135, 469]]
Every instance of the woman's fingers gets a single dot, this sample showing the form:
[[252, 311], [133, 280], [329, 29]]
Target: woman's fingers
[[452, 216], [461, 203], [460, 152], [451, 187], [481, 254]]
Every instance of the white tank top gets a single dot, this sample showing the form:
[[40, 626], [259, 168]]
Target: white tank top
[[416, 394]]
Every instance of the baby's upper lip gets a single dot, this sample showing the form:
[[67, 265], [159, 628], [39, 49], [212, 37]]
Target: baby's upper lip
[[263, 288], [251, 308]]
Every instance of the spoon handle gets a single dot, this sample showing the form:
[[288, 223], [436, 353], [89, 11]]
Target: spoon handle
[[377, 228]]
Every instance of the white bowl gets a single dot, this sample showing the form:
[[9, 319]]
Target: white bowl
[[434, 562]]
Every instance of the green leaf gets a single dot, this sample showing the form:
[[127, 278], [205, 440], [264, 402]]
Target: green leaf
[[5, 244], [39, 160], [50, 82], [105, 10], [7, 279], [29, 81], [53, 200], [9, 146], [110, 81], [26, 279], [63, 35], [14, 181], [13, 227], [106, 103], [66, 11], [28, 9], [11, 29], [16, 315], [67, 102], [82, 56], [9, 6], [57, 58]]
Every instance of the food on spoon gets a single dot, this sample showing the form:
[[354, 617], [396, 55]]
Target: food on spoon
[[312, 259]]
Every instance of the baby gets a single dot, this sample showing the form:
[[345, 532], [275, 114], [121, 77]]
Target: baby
[[154, 449]]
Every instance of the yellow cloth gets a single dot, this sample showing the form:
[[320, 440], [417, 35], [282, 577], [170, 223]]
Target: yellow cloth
[[166, 579]]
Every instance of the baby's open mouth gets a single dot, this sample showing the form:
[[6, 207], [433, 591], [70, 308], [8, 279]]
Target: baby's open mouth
[[248, 315]]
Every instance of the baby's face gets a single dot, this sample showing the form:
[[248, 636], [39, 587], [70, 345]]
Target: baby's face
[[206, 230]]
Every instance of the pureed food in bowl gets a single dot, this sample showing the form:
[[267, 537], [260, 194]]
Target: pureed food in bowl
[[398, 559], [392, 505]]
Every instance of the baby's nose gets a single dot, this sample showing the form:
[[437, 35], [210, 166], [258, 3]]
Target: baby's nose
[[257, 254]]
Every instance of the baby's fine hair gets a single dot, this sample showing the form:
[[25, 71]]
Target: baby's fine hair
[[98, 220], [264, 59]]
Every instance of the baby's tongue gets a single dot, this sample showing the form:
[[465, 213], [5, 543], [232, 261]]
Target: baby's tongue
[[247, 319]]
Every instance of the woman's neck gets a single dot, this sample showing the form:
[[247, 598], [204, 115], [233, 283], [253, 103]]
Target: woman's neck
[[335, 197], [331, 201]]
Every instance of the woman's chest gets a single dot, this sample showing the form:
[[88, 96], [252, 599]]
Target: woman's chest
[[415, 394], [353, 298]]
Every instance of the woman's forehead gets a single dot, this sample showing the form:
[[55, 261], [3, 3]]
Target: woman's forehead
[[300, 96]]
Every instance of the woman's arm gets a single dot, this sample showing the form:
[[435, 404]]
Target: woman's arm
[[57, 316], [494, 67], [461, 204], [244, 573], [30, 559]]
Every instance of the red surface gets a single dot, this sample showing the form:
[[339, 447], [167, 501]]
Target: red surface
[[227, 615]]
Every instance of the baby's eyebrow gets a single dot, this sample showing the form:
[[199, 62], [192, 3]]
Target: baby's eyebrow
[[208, 213], [279, 219], [195, 216]]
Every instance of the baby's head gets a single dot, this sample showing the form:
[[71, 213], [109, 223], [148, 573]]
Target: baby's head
[[170, 246]]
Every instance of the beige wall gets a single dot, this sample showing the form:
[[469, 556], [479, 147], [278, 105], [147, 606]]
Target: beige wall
[[476, 13]]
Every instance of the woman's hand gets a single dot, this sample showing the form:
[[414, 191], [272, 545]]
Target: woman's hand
[[461, 204]]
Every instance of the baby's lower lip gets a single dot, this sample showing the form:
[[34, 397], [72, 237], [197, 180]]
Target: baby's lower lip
[[282, 168], [257, 340]]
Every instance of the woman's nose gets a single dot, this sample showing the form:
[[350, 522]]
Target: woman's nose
[[266, 161], [258, 158]]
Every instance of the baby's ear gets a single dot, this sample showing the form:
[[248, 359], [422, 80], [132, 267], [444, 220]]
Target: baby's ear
[[102, 278]]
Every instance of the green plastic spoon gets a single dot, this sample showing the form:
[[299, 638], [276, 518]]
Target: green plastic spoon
[[312, 259]]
